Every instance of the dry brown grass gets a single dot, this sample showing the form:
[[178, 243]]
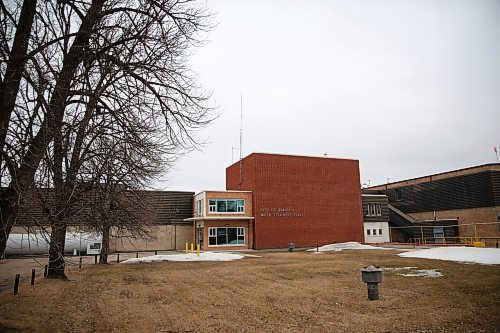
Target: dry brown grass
[[280, 292]]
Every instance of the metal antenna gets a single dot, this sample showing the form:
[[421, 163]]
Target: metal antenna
[[241, 138]]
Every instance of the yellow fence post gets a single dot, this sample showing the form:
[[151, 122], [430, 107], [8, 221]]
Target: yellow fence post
[[186, 248], [198, 249], [192, 248]]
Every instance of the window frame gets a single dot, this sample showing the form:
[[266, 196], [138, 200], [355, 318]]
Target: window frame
[[214, 234], [373, 209], [238, 204]]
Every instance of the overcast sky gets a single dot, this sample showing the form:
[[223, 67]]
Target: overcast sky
[[408, 88]]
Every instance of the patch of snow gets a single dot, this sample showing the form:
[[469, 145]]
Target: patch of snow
[[347, 246], [204, 256], [455, 253], [424, 272], [251, 255], [415, 272]]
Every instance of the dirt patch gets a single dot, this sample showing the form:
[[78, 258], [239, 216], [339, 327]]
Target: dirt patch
[[279, 292]]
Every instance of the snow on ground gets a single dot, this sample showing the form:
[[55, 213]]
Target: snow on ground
[[424, 273], [347, 246], [204, 256], [413, 271], [456, 253]]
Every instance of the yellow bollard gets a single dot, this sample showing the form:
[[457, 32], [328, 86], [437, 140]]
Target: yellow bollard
[[198, 249], [186, 248], [192, 248]]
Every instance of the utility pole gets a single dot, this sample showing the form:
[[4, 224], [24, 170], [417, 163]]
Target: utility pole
[[241, 139]]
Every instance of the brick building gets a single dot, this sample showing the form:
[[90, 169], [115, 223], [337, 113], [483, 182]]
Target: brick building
[[304, 200]]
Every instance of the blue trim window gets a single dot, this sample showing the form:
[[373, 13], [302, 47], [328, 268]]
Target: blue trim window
[[226, 205], [226, 236]]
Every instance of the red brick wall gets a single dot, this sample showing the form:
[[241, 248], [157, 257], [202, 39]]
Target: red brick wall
[[304, 200]]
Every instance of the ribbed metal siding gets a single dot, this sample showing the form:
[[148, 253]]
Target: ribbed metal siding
[[171, 206], [468, 191], [495, 181], [375, 199], [168, 206]]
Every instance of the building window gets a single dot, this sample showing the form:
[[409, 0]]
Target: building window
[[368, 232], [241, 206], [374, 232], [373, 209], [227, 206], [226, 236], [200, 207], [212, 207], [380, 231], [399, 194]]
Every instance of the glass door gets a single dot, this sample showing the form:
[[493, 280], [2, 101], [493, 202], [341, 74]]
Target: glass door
[[199, 236]]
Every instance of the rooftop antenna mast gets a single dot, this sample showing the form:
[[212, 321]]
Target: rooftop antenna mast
[[241, 138]]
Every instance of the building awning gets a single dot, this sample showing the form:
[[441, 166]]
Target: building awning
[[219, 218]]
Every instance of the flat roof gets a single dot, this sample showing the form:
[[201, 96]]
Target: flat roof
[[294, 155], [440, 175], [222, 191]]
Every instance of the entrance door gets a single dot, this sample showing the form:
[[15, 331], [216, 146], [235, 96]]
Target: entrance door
[[438, 235], [199, 236]]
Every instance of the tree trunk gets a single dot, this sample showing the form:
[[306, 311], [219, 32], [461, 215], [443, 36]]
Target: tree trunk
[[103, 258], [9, 87], [29, 164], [8, 213], [56, 251]]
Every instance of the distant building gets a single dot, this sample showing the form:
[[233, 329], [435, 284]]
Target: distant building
[[167, 211], [460, 203], [375, 218]]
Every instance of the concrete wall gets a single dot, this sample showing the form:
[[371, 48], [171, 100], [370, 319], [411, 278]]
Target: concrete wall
[[162, 238], [377, 237]]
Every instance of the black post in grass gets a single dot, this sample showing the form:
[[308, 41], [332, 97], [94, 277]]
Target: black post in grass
[[137, 254], [317, 247], [80, 264], [16, 283], [45, 271], [117, 258], [33, 272], [95, 259]]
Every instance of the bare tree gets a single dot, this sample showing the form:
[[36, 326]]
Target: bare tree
[[123, 74], [21, 159]]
